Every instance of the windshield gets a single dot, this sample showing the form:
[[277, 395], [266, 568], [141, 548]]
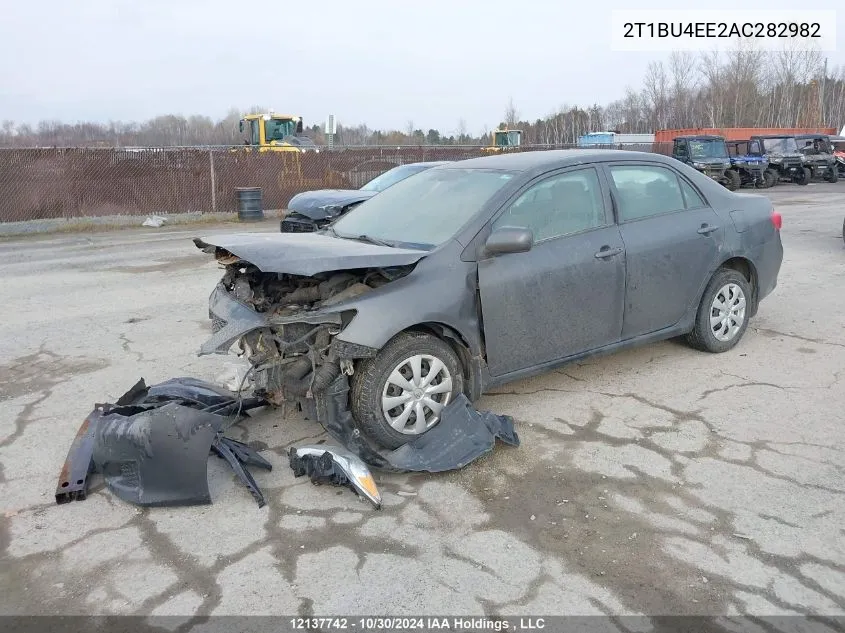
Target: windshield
[[507, 139], [708, 149], [278, 129], [813, 146], [391, 177], [782, 145], [423, 211]]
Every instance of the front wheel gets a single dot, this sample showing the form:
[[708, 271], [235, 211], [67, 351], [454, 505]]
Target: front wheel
[[399, 394], [805, 176], [722, 316], [832, 175], [770, 178], [732, 180]]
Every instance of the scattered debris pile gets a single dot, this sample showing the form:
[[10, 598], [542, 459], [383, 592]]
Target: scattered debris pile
[[152, 445]]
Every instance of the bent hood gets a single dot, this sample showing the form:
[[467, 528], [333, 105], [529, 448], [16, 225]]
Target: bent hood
[[326, 203], [307, 254]]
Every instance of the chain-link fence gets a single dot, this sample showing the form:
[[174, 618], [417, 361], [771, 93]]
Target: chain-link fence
[[84, 182]]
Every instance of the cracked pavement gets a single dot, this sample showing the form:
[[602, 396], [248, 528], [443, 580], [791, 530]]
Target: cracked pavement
[[656, 481]]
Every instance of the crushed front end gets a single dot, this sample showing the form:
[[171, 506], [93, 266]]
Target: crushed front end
[[285, 326]]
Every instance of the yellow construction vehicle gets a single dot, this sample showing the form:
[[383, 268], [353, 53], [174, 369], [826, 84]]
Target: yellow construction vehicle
[[271, 132], [504, 140]]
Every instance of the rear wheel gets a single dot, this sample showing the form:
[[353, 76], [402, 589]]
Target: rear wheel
[[398, 395], [732, 180], [722, 316]]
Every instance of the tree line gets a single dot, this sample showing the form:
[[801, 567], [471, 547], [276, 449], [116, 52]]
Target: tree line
[[740, 88]]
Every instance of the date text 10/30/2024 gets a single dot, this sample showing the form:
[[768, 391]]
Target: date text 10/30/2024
[[428, 623]]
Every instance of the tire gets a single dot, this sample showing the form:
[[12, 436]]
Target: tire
[[832, 175], [370, 382], [703, 336], [805, 179], [770, 178], [733, 180]]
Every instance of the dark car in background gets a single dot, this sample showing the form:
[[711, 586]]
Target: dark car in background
[[311, 210], [484, 271]]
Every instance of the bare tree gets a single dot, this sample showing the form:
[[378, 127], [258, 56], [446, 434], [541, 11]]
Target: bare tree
[[683, 85], [511, 114], [656, 93]]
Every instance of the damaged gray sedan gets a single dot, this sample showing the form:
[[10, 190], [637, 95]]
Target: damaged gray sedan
[[480, 272]]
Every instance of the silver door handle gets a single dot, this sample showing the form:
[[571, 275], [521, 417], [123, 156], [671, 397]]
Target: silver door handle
[[707, 229], [608, 252]]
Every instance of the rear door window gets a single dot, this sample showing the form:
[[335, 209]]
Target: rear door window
[[643, 191]]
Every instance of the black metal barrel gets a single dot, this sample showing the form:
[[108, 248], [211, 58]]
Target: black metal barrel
[[249, 204]]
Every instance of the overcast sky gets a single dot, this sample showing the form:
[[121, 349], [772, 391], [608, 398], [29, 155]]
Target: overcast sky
[[380, 62]]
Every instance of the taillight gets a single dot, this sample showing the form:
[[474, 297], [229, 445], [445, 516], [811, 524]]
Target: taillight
[[777, 220]]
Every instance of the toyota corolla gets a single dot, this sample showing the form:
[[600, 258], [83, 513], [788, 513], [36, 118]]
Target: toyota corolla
[[480, 272]]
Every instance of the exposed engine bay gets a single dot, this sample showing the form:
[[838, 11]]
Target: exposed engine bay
[[281, 294], [291, 359]]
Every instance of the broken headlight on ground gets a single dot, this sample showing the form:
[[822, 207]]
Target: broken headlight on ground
[[334, 465]]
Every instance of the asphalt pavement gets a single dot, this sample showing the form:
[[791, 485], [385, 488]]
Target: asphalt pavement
[[659, 480]]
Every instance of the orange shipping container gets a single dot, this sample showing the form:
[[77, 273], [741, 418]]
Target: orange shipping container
[[739, 133]]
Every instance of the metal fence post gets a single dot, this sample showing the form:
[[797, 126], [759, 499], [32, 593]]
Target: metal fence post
[[213, 181]]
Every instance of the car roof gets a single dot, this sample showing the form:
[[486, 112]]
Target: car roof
[[812, 135], [551, 158], [773, 136], [433, 163]]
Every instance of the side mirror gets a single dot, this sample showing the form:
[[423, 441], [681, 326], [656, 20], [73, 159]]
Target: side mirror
[[509, 240], [299, 127], [240, 126]]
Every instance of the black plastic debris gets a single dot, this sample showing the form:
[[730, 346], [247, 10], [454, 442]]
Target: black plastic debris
[[156, 456], [152, 445], [239, 455], [462, 435]]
